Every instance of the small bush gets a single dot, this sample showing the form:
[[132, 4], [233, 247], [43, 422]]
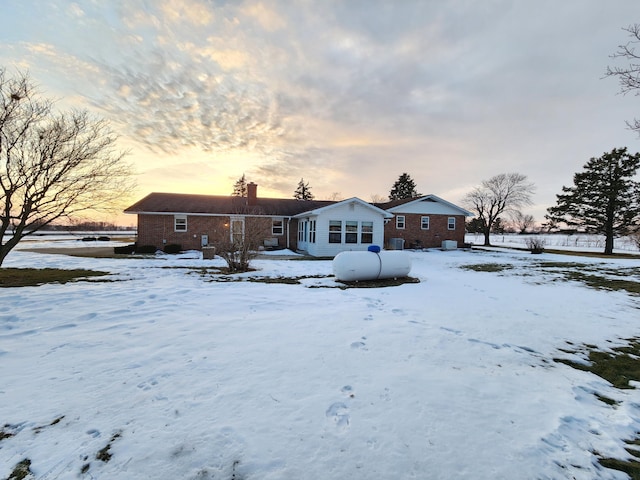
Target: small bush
[[146, 249], [173, 248], [535, 244], [125, 250]]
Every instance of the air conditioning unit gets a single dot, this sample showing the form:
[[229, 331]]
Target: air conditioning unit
[[396, 243], [449, 245]]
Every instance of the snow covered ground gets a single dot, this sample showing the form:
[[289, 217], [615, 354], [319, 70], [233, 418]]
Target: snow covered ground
[[578, 242], [178, 376]]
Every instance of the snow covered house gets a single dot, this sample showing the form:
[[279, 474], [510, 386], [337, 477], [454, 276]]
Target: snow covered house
[[318, 228], [423, 222]]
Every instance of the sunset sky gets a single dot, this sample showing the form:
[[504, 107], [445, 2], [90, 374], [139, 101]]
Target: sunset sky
[[347, 94]]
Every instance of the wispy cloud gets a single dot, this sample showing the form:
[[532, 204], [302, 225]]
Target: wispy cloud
[[347, 94]]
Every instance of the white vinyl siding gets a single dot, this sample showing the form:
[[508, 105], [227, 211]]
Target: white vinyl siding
[[332, 223]]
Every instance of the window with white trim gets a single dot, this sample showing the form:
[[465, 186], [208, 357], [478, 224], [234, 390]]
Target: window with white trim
[[335, 231], [312, 231], [451, 223], [400, 222], [277, 226], [179, 223], [424, 223], [366, 234], [301, 224], [351, 231]]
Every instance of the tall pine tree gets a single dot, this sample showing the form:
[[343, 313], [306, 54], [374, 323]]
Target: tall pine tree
[[303, 192], [404, 187], [603, 199], [240, 187]]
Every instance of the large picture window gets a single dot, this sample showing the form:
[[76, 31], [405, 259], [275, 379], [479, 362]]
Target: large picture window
[[351, 232], [366, 235], [180, 223], [335, 231]]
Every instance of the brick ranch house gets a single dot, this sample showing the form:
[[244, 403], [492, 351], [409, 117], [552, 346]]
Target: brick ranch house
[[424, 222], [319, 228]]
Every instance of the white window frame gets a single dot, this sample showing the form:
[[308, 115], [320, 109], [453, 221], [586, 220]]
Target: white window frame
[[400, 222], [312, 231], [351, 231], [368, 232], [451, 223], [180, 223], [425, 221], [335, 232], [277, 230]]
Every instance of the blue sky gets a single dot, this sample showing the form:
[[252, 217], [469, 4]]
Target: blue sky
[[347, 94]]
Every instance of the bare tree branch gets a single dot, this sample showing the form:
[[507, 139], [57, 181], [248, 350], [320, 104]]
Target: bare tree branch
[[629, 75], [52, 164]]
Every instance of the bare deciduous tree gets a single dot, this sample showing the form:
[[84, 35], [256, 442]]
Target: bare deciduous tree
[[377, 198], [522, 222], [52, 164], [629, 75], [506, 193], [238, 243]]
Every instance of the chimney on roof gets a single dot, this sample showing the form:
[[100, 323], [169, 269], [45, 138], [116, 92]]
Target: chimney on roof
[[252, 193]]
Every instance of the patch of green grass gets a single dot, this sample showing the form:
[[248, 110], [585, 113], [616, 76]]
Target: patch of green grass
[[602, 283], [630, 467], [597, 276], [488, 267], [31, 277], [104, 455], [618, 367], [21, 470]]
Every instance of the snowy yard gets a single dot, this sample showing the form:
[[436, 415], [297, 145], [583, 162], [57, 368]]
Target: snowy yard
[[165, 373]]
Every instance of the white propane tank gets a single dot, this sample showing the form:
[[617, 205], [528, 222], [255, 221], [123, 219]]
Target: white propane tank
[[371, 265]]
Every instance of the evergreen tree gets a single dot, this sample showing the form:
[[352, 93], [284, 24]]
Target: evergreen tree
[[603, 199], [475, 225], [404, 187], [240, 187], [303, 192]]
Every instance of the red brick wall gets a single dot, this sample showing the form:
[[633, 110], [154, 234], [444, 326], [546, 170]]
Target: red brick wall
[[153, 229], [438, 230]]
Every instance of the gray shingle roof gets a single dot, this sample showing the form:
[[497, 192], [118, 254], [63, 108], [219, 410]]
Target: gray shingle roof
[[222, 205]]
